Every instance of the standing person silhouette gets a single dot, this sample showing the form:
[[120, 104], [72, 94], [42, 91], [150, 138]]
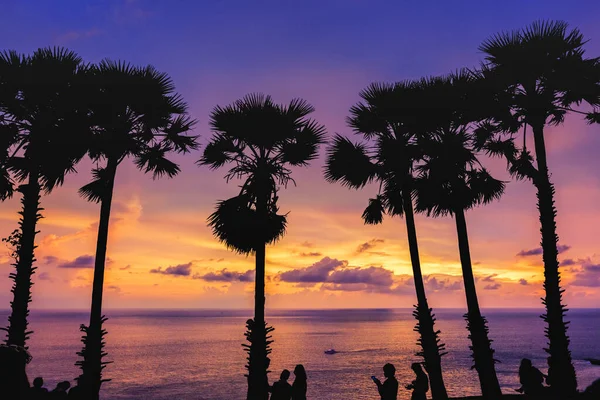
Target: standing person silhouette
[[419, 386], [299, 386], [388, 390], [282, 390]]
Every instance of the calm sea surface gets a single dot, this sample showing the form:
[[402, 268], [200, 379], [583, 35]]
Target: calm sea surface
[[198, 354]]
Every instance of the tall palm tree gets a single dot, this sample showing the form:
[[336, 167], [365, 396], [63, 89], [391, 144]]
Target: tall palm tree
[[450, 181], [136, 114], [44, 125], [261, 140], [388, 119], [544, 71]]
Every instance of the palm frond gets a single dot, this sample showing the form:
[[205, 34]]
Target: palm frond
[[373, 214], [348, 163], [220, 150], [303, 147], [593, 117], [240, 228], [98, 188], [152, 159], [174, 134]]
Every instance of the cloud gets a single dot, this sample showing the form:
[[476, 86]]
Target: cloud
[[567, 262], [489, 278], [311, 254], [368, 245], [539, 251], [377, 276], [434, 284], [494, 286], [588, 276], [125, 267], [523, 282], [45, 276], [50, 260], [316, 273], [176, 270], [73, 36], [85, 261], [227, 276], [114, 288], [307, 244]]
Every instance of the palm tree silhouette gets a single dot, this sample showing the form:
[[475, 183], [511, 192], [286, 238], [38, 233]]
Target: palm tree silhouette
[[136, 114], [261, 140], [450, 181], [542, 72], [44, 124], [388, 119]]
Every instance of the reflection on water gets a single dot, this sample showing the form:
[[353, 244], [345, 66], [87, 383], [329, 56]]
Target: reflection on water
[[198, 354]]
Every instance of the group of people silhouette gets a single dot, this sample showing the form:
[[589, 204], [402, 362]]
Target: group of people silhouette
[[63, 391], [388, 390], [282, 390]]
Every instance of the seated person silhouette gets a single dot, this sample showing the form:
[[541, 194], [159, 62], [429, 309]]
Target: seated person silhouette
[[37, 390], [420, 385], [388, 390], [531, 379], [281, 389], [60, 392]]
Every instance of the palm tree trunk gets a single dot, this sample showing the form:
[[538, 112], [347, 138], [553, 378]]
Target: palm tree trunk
[[17, 321], [93, 351], [428, 340], [483, 354], [258, 352], [561, 373]]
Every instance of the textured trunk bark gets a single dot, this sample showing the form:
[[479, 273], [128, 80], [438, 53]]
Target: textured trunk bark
[[425, 321], [257, 376], [17, 321], [483, 354], [94, 346], [561, 373]]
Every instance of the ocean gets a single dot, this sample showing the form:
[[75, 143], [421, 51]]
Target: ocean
[[198, 354]]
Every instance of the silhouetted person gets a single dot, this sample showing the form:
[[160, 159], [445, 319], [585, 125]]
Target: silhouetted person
[[388, 390], [531, 378], [38, 391], [14, 383], [76, 392], [267, 364], [60, 392], [592, 392], [300, 385], [420, 385], [281, 389]]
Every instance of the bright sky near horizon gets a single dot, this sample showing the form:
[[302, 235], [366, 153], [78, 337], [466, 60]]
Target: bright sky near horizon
[[162, 254]]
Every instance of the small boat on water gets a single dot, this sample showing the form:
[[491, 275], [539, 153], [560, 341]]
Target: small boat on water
[[331, 351], [593, 361]]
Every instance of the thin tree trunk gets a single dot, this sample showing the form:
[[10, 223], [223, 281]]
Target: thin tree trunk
[[561, 373], [93, 365], [257, 367], [428, 340], [483, 354], [17, 321]]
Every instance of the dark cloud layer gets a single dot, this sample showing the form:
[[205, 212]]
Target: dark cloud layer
[[539, 251], [227, 276], [175, 270], [316, 273], [368, 245], [588, 276], [85, 261]]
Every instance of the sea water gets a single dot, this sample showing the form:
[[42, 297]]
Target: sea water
[[198, 354]]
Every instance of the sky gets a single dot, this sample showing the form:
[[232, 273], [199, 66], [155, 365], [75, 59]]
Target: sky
[[161, 252]]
